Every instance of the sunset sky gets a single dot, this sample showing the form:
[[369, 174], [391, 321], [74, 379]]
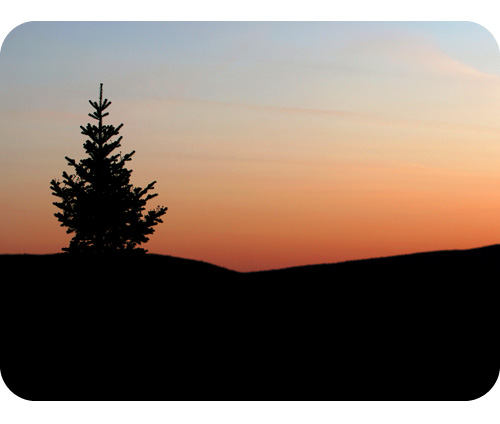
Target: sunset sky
[[273, 144]]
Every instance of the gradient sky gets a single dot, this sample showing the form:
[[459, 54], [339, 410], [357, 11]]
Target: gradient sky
[[273, 144]]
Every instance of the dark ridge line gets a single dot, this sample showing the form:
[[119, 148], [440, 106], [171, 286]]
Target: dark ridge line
[[196, 262], [381, 259]]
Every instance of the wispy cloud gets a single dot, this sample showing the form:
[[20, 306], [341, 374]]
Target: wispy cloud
[[359, 118], [417, 55]]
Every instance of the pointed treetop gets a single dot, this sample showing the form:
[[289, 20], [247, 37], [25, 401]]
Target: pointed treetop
[[99, 107]]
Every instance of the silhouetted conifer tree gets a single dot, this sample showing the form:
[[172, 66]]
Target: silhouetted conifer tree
[[98, 204]]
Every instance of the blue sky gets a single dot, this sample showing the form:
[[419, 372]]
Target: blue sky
[[147, 58]]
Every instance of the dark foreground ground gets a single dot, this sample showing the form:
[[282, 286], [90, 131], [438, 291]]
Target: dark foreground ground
[[414, 327]]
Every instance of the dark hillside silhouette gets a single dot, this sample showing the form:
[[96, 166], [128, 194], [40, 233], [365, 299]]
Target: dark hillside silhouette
[[447, 264], [152, 327], [98, 203]]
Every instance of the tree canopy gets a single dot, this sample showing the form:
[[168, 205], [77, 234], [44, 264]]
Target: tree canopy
[[98, 204]]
